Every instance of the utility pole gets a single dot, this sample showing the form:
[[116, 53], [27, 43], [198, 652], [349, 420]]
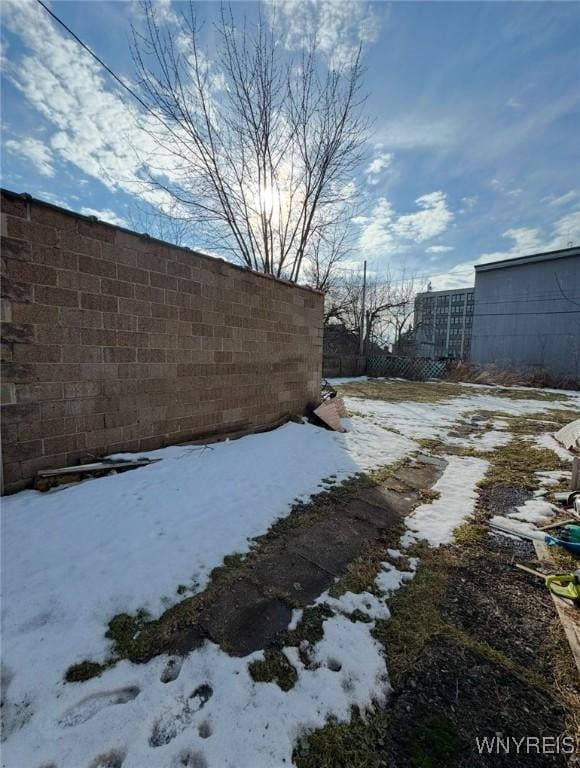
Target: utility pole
[[362, 312]]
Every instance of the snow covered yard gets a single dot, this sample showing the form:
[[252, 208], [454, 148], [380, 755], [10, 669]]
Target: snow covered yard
[[74, 558]]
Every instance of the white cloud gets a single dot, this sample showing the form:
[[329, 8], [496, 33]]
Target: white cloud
[[470, 201], [566, 231], [525, 241], [340, 26], [104, 214], [514, 103], [96, 130], [378, 164], [440, 248], [414, 132], [429, 222], [384, 232], [376, 235], [33, 150], [460, 276], [568, 197]]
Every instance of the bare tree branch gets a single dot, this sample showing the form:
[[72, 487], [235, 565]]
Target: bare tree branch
[[259, 145]]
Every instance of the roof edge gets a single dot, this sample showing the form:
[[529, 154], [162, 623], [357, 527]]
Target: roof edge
[[561, 253]]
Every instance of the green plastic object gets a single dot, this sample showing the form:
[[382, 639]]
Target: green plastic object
[[572, 532], [564, 585]]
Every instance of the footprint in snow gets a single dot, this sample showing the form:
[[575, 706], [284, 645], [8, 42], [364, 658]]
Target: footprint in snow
[[170, 724], [172, 669], [92, 705], [189, 759], [112, 759], [204, 730]]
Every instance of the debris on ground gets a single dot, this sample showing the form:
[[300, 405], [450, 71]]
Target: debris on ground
[[50, 478], [569, 436], [450, 640]]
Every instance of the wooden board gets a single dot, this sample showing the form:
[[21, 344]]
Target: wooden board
[[567, 613], [98, 466]]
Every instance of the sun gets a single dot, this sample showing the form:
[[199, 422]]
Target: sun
[[267, 199]]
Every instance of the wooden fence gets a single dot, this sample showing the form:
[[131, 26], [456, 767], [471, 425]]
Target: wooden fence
[[335, 366]]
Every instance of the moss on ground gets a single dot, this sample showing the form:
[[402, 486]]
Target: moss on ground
[[78, 673], [310, 627], [356, 744], [470, 532], [274, 668], [415, 619], [517, 462], [361, 573], [435, 744]]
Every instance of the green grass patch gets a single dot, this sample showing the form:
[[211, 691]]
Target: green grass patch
[[361, 573], [517, 462], [274, 668], [470, 532], [86, 670], [415, 619], [310, 627], [356, 744]]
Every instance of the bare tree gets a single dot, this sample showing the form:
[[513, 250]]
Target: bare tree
[[401, 312], [331, 244], [259, 146], [161, 225], [389, 305]]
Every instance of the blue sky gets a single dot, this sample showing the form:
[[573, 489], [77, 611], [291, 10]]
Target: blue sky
[[476, 107]]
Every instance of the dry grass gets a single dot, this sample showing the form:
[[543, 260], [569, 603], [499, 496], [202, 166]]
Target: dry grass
[[510, 378], [392, 391]]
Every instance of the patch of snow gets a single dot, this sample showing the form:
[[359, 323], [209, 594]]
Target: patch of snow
[[350, 602], [346, 380], [390, 579], [130, 709], [434, 420], [517, 526], [533, 511], [76, 556], [549, 441], [436, 521], [552, 477], [482, 441]]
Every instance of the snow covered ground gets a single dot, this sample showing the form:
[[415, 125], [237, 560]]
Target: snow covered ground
[[76, 556]]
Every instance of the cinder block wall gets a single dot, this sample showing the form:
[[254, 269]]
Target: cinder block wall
[[112, 341]]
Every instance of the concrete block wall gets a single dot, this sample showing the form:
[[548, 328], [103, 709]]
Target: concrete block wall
[[112, 341]]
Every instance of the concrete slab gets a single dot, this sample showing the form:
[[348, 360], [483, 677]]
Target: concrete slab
[[241, 620], [290, 576]]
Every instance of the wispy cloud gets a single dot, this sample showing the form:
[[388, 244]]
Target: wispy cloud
[[380, 162], [440, 248], [384, 232], [568, 197], [104, 214], [340, 25], [33, 150]]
